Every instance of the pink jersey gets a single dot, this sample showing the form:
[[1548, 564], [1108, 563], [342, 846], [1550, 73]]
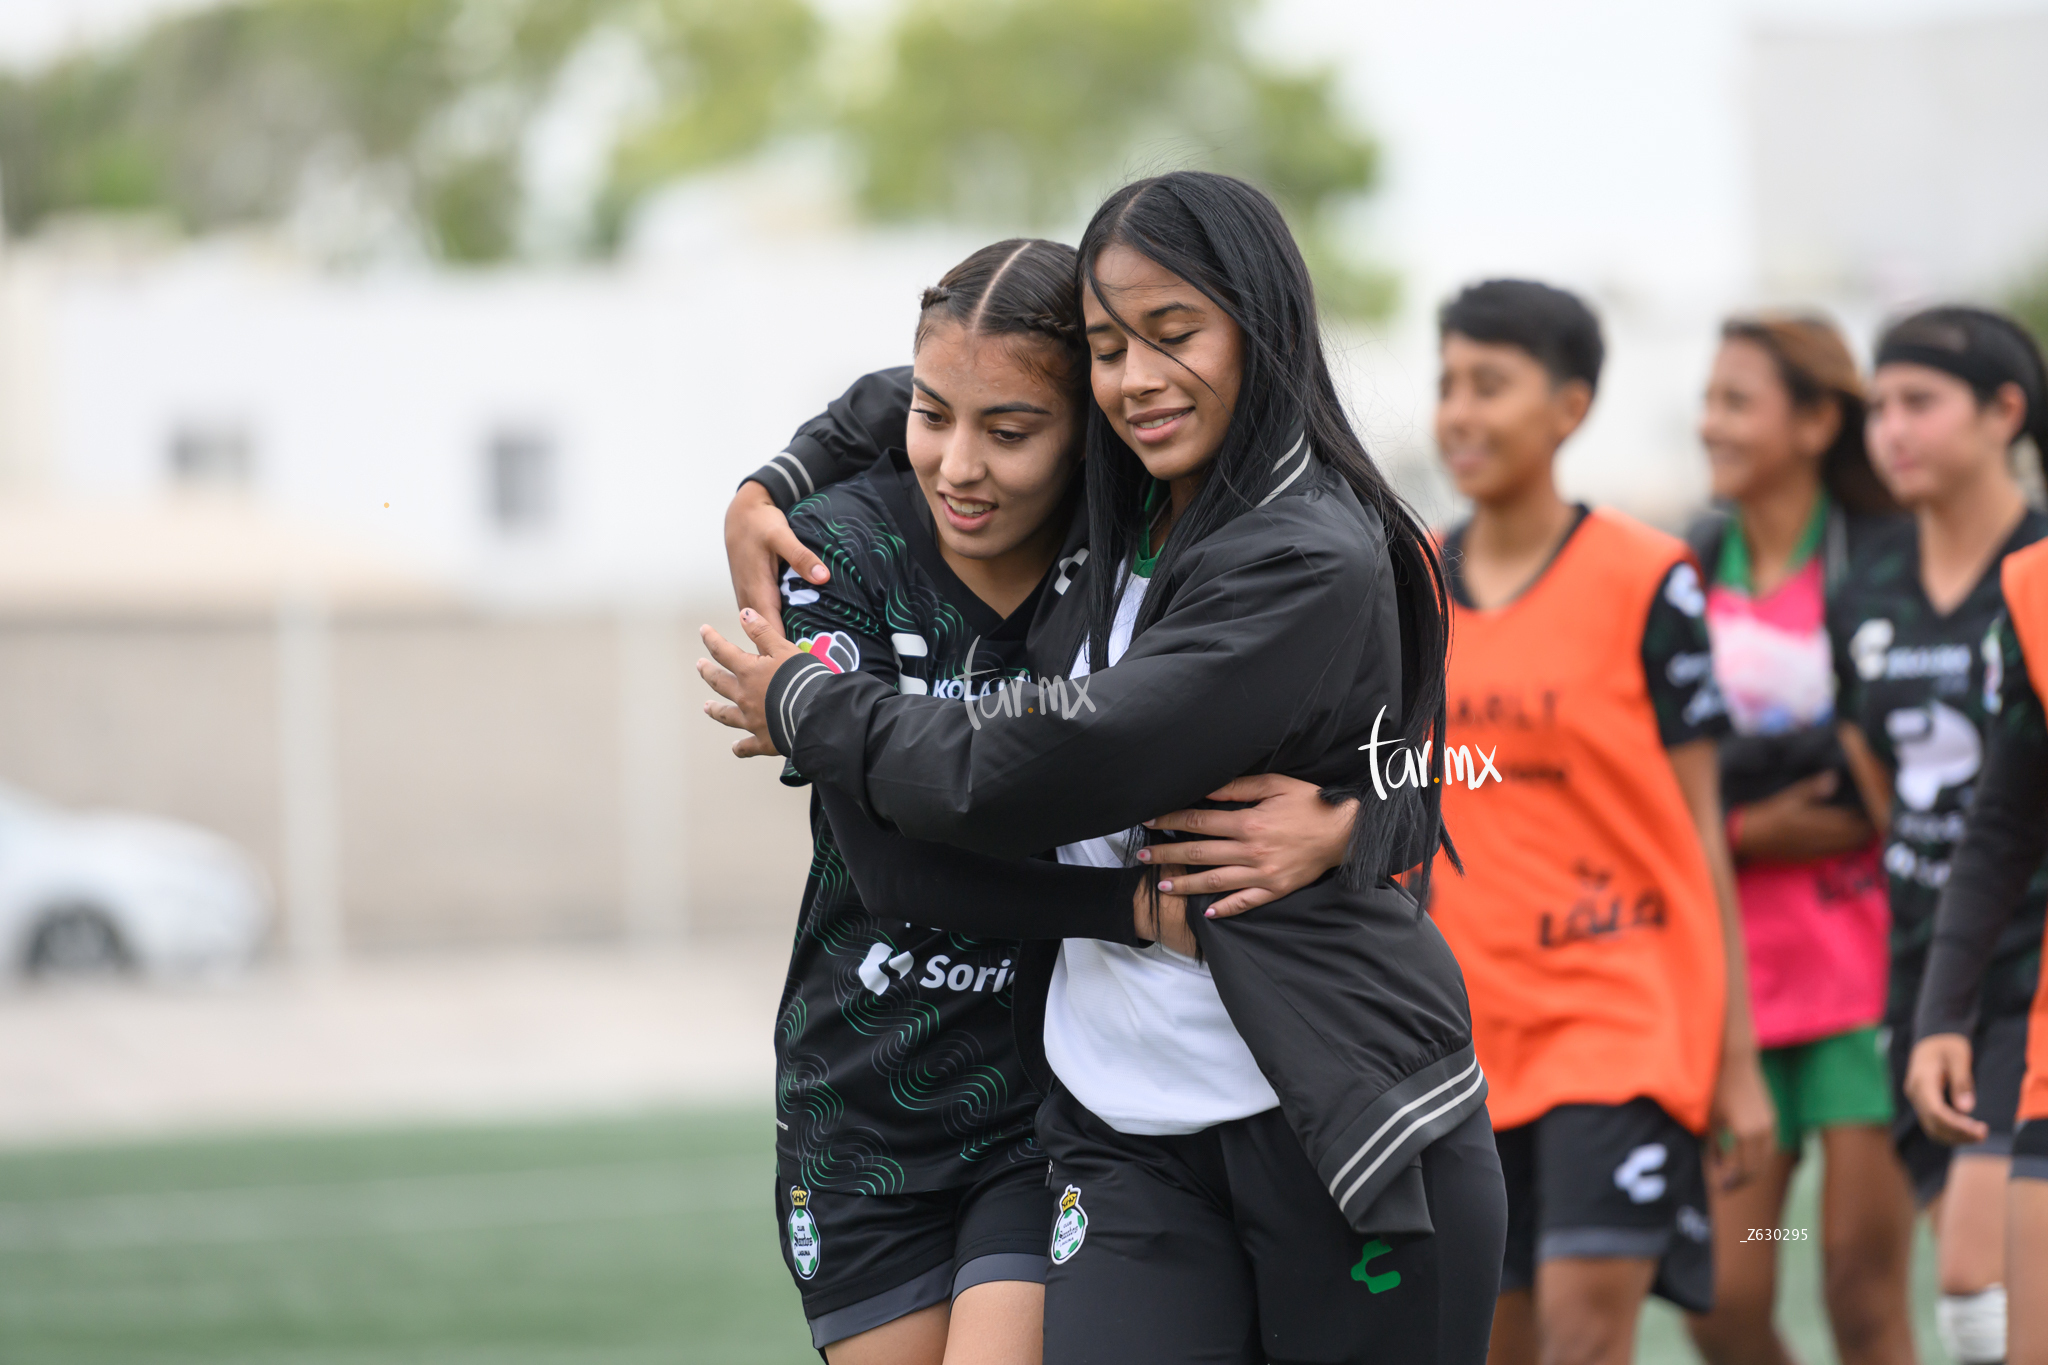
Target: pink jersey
[[1816, 931]]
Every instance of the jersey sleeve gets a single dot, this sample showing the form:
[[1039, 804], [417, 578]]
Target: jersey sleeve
[[841, 624], [921, 882], [1848, 684], [854, 430], [1678, 662], [1054, 761], [2003, 842]]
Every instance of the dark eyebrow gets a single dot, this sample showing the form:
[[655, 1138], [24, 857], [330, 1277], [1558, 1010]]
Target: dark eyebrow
[[1152, 315], [1001, 408], [930, 392]]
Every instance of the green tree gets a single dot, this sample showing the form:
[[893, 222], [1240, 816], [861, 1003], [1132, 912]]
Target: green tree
[[1023, 112], [217, 118], [2029, 303], [1005, 113]]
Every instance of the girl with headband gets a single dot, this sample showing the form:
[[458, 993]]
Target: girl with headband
[[1954, 389]]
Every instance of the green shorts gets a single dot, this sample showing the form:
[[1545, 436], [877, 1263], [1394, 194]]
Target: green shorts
[[1830, 1082]]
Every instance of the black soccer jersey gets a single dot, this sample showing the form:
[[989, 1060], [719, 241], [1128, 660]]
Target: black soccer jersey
[[1923, 688], [896, 1061], [1998, 869]]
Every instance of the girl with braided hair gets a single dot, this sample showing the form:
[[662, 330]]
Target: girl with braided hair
[[911, 1193]]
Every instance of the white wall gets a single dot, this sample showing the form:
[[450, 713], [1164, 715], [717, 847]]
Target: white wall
[[661, 384]]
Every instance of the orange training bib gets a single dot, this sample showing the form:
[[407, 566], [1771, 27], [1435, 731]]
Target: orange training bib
[[1586, 922], [2024, 578]]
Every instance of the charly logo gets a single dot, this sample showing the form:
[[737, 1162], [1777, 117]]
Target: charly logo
[[835, 649], [1682, 590], [1637, 1175], [803, 1232], [1867, 647], [795, 591], [1386, 1279], [1070, 1229]]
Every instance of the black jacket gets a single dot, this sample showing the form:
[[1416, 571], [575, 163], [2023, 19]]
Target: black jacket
[[1278, 653]]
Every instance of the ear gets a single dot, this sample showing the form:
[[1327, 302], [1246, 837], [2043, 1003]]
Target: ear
[[1571, 401], [1815, 427], [2008, 408]]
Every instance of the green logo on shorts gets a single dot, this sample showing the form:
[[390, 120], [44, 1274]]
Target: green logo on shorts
[[1070, 1229], [1378, 1284], [803, 1232]]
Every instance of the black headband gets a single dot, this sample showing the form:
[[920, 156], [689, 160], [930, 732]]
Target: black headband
[[1981, 371]]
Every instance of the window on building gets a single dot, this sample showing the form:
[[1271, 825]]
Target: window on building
[[521, 474], [212, 455]]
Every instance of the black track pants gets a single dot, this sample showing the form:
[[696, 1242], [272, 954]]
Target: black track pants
[[1223, 1246]]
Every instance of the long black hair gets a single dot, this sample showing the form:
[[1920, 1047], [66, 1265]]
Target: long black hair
[[1985, 350], [1227, 240]]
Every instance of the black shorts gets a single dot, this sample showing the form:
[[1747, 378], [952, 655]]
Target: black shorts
[[2030, 1151], [1224, 1247], [861, 1260], [1998, 1061], [1605, 1180]]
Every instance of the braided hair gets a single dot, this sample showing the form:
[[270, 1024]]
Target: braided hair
[[1021, 287]]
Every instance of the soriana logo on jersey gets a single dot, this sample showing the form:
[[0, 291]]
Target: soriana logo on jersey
[[834, 649]]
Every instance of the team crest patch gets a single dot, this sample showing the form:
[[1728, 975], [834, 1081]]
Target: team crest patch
[[1070, 1229], [803, 1232], [834, 649]]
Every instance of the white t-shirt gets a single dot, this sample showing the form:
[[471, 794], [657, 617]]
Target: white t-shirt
[[1139, 1035]]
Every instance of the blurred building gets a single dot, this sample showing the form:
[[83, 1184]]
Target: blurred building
[[1893, 165]]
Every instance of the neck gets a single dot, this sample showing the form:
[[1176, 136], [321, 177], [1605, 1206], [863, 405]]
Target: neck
[[1969, 523], [1004, 581], [1773, 520], [1521, 523], [1180, 495]]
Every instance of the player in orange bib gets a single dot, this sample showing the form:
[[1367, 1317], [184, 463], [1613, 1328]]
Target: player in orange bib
[[1596, 921]]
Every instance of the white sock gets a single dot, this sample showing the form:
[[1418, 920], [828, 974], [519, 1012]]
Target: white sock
[[1972, 1326]]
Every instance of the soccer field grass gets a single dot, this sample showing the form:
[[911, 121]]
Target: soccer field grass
[[606, 1243]]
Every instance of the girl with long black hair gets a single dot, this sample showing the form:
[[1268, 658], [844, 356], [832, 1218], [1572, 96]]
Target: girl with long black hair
[[1275, 1149]]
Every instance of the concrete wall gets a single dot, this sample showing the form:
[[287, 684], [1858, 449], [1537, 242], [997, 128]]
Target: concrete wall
[[487, 778]]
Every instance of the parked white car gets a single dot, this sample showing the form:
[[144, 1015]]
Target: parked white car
[[104, 891]]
